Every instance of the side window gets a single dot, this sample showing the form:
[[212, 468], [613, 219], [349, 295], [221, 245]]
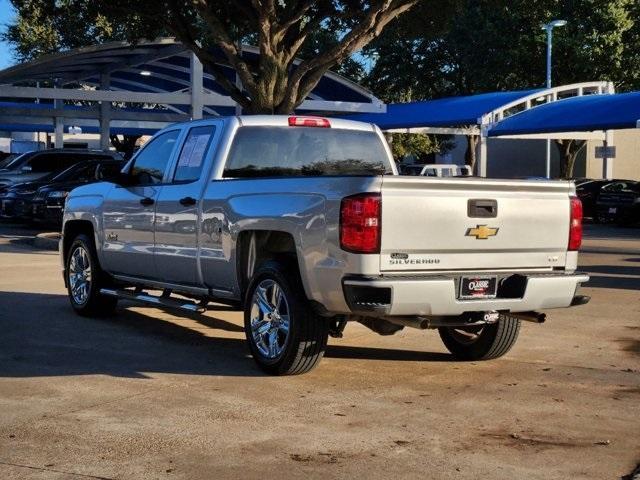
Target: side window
[[108, 171], [191, 158], [43, 163], [150, 164], [68, 160], [85, 173]]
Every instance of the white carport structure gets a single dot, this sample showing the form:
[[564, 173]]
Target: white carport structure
[[479, 114], [137, 89]]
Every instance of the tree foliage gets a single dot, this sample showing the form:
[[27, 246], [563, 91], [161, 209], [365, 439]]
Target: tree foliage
[[417, 145], [213, 29]]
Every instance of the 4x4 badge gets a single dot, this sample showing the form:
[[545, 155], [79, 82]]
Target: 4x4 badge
[[482, 232]]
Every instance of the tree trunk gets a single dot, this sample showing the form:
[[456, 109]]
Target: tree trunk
[[277, 83], [569, 150], [470, 153], [125, 145]]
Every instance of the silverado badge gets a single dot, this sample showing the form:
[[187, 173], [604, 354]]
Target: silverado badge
[[482, 232]]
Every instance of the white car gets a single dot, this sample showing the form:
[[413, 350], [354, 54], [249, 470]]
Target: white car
[[437, 170]]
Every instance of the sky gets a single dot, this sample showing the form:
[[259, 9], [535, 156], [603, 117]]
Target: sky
[[6, 13]]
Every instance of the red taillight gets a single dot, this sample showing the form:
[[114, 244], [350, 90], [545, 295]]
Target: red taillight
[[575, 227], [309, 122], [360, 223]]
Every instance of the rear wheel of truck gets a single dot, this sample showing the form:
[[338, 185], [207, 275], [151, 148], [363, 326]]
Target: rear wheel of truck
[[285, 336], [481, 342], [85, 278]]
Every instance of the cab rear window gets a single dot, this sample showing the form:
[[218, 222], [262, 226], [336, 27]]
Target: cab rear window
[[305, 151]]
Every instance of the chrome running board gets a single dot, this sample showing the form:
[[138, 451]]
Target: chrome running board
[[158, 301]]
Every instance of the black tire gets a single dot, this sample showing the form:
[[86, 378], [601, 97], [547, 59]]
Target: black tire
[[94, 303], [491, 341], [304, 345]]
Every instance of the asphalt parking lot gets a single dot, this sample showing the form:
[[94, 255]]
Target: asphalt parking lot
[[151, 395]]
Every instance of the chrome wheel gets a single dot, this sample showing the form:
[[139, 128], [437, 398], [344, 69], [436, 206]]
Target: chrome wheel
[[269, 319], [80, 275]]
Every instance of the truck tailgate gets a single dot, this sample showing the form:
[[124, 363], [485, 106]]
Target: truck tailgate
[[473, 224]]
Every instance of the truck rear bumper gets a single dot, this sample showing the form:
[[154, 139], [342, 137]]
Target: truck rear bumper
[[437, 295]]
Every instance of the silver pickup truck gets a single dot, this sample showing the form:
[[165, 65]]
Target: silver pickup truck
[[304, 223]]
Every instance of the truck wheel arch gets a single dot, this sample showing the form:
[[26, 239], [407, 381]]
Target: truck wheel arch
[[72, 229], [255, 247]]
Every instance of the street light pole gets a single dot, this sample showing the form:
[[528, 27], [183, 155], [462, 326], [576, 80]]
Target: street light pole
[[549, 48], [549, 28]]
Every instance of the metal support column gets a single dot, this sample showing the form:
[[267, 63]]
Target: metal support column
[[105, 114], [59, 133], [481, 152], [607, 162], [197, 93], [58, 122]]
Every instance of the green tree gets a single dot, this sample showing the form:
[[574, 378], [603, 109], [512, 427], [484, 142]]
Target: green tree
[[417, 145], [213, 29]]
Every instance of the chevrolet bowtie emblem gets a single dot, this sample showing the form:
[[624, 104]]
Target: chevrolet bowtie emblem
[[482, 232]]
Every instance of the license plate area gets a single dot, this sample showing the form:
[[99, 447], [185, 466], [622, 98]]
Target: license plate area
[[478, 287]]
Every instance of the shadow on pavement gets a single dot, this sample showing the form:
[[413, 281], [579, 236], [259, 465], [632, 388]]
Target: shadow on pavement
[[366, 353], [613, 269], [41, 336], [609, 276]]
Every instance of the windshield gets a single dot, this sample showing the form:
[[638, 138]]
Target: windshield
[[13, 160], [70, 173], [306, 151]]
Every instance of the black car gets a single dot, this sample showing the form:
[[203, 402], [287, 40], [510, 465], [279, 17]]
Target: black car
[[619, 202], [17, 201], [588, 191], [32, 166], [47, 204]]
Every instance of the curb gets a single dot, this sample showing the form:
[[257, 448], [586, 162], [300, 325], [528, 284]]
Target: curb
[[47, 241]]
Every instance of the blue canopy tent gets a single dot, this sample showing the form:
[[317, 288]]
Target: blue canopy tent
[[476, 114], [577, 114], [440, 113], [581, 117]]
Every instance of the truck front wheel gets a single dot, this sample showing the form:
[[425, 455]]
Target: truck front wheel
[[85, 278], [284, 335], [481, 342]]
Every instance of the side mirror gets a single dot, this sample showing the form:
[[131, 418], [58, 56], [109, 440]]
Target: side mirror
[[26, 169]]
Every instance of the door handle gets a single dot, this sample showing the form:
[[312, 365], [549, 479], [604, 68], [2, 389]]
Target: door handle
[[187, 201], [146, 201]]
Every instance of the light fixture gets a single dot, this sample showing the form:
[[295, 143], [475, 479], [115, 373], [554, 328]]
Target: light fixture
[[145, 73]]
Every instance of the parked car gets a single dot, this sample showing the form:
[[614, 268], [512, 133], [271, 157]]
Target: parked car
[[304, 224], [47, 204], [619, 202], [588, 192], [43, 199], [32, 166], [436, 170]]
